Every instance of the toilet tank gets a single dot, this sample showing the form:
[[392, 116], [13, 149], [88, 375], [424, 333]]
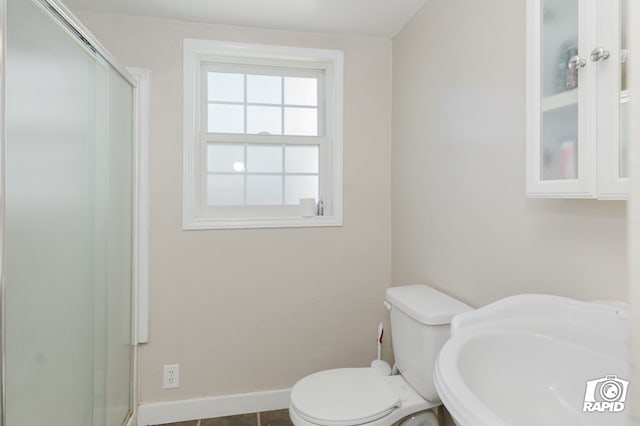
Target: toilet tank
[[420, 326]]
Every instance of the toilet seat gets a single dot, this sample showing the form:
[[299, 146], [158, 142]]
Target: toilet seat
[[344, 397]]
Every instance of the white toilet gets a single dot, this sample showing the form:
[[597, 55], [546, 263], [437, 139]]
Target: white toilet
[[420, 320]]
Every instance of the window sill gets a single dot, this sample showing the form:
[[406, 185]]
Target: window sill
[[194, 224]]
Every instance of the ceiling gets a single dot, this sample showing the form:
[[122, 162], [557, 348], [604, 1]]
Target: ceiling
[[384, 18]]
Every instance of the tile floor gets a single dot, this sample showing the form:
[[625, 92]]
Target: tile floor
[[267, 418]]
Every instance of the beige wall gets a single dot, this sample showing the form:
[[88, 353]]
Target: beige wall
[[254, 310], [250, 310], [461, 220]]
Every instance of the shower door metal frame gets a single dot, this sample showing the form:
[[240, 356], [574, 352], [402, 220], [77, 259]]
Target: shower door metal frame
[[3, 48], [60, 14]]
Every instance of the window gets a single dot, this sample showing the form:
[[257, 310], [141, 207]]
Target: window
[[263, 130]]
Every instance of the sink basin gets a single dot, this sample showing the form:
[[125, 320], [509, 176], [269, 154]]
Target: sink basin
[[526, 361]]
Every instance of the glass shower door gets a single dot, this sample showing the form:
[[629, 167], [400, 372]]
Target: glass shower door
[[67, 269], [50, 150], [113, 230]]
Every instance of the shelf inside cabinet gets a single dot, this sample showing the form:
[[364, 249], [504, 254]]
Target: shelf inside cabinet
[[560, 100]]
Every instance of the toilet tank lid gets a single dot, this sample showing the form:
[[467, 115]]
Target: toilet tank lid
[[425, 304]]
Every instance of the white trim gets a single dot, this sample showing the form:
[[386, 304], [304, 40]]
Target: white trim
[[141, 205], [276, 222], [140, 292], [588, 101], [207, 408], [198, 51], [133, 419], [260, 51], [533, 105]]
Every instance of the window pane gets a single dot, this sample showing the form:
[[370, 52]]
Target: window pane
[[225, 87], [264, 159], [264, 190], [301, 121], [225, 158], [300, 91], [225, 190], [262, 119], [264, 89], [301, 159], [296, 187], [226, 118]]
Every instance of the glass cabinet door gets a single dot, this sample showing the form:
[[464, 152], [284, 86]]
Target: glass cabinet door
[[560, 72], [613, 100], [560, 81], [577, 98]]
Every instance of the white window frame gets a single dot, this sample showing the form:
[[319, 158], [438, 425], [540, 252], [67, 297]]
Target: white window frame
[[198, 53]]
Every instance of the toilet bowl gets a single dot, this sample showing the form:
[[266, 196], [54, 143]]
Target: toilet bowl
[[353, 396], [420, 318]]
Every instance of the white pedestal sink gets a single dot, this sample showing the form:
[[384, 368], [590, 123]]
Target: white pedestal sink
[[526, 360]]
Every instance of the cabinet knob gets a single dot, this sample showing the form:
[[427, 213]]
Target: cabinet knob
[[576, 62], [599, 53]]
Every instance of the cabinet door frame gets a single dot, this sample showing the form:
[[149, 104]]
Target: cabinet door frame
[[610, 185], [585, 185]]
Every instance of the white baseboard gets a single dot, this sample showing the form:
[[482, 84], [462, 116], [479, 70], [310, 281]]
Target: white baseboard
[[205, 408]]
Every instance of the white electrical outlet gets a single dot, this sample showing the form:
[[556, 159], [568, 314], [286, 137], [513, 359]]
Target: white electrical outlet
[[171, 376]]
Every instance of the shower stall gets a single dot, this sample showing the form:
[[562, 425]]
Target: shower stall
[[66, 230]]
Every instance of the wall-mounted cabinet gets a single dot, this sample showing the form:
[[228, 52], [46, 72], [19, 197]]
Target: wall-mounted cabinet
[[577, 102]]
